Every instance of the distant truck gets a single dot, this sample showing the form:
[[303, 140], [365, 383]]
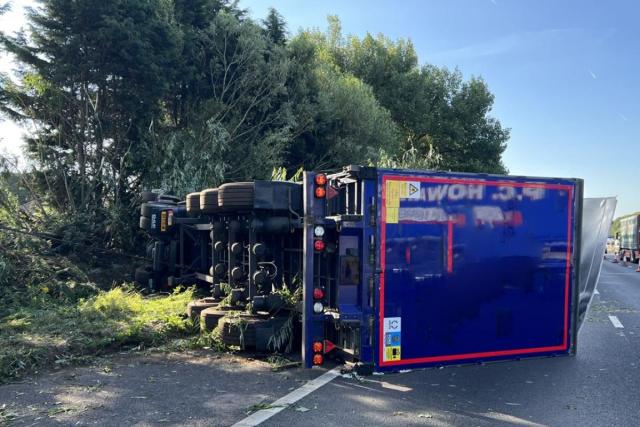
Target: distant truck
[[629, 237]]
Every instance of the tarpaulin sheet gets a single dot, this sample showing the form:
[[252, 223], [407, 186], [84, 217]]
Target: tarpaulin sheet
[[597, 214]]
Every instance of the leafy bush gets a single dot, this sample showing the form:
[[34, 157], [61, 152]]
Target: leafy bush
[[56, 334], [52, 313]]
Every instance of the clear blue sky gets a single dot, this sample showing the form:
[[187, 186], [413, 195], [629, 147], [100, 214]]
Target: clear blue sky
[[566, 74]]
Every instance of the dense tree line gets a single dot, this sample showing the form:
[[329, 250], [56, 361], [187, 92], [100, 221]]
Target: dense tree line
[[183, 94]]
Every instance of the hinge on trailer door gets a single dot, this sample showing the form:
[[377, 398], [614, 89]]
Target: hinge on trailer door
[[372, 213], [372, 250], [371, 323]]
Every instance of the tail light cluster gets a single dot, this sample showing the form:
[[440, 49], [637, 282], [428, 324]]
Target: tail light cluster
[[318, 238], [320, 192], [166, 219], [319, 245], [321, 186], [318, 295], [318, 349]]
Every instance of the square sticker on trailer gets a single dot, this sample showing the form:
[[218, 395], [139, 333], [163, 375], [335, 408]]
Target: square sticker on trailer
[[412, 191], [392, 328], [392, 324]]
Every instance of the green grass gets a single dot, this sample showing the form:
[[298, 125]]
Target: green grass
[[35, 336]]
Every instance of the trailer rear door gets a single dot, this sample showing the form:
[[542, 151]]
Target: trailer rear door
[[474, 268]]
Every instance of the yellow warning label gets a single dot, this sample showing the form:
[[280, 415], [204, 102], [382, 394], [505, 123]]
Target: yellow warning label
[[395, 190], [392, 215], [392, 353], [403, 189]]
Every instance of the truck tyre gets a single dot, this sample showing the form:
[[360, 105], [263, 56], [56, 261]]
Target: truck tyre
[[148, 196], [194, 308], [236, 195], [142, 276], [239, 330], [209, 201], [209, 318], [145, 223], [145, 209], [193, 203]]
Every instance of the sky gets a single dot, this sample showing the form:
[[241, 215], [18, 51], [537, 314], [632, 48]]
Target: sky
[[565, 74]]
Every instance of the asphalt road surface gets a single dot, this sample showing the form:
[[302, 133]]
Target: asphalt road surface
[[598, 387]]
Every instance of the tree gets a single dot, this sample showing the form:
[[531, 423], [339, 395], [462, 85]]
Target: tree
[[275, 27], [91, 75], [236, 124], [338, 118], [441, 117], [262, 103]]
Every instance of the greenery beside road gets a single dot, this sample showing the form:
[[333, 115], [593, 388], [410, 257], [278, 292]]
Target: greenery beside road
[[51, 333], [58, 307]]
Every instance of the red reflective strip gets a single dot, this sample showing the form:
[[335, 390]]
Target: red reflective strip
[[383, 264], [565, 187], [474, 355], [383, 234]]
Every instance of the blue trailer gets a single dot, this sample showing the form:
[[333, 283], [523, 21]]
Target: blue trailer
[[438, 268]]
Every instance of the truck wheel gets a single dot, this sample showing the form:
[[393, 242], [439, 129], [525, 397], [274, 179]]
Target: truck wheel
[[142, 276], [145, 223], [148, 196], [194, 308], [239, 330], [209, 201], [209, 318], [236, 195], [193, 203]]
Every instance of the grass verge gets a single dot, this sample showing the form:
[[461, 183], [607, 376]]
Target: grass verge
[[49, 334]]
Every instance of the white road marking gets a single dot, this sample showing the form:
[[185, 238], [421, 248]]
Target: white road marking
[[616, 322], [263, 415], [615, 274]]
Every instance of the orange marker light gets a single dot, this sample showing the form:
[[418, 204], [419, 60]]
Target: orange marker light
[[320, 192], [321, 179], [317, 359], [317, 347]]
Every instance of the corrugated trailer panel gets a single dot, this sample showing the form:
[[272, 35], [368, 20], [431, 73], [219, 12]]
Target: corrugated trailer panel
[[475, 267]]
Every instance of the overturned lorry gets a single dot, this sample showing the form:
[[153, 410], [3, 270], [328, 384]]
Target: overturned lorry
[[392, 268]]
